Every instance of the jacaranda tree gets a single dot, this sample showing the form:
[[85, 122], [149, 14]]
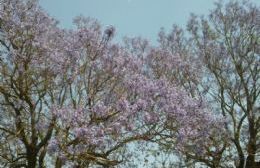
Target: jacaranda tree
[[75, 98], [227, 42]]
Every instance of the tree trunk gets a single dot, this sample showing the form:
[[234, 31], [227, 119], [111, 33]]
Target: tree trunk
[[241, 162], [250, 161], [31, 158], [41, 157], [58, 163], [251, 147]]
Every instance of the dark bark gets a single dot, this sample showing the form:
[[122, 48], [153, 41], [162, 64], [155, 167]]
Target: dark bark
[[31, 157], [251, 148], [58, 163], [41, 158]]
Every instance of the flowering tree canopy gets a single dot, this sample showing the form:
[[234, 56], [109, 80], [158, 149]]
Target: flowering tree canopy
[[75, 98]]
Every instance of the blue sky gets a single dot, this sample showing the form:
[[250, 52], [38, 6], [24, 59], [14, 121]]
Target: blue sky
[[130, 17]]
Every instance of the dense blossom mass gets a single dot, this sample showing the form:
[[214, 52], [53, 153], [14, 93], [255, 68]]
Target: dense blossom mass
[[75, 98]]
